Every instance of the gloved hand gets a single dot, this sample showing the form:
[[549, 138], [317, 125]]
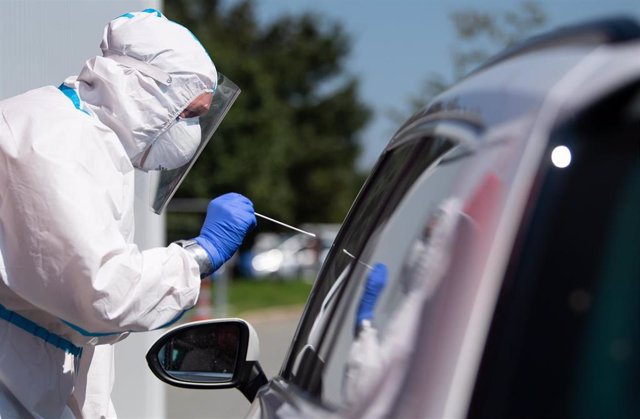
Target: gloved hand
[[376, 282], [229, 218]]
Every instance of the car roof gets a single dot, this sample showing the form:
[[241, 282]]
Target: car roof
[[603, 31], [563, 71]]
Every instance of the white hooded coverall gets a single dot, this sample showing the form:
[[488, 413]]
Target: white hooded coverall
[[72, 282]]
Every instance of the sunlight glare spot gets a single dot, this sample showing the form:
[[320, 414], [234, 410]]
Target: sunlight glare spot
[[561, 157]]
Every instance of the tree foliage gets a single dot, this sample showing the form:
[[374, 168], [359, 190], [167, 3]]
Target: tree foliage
[[290, 141], [479, 35]]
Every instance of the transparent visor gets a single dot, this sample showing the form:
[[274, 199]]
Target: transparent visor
[[163, 184]]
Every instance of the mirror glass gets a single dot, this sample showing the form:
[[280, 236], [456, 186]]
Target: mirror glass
[[204, 353]]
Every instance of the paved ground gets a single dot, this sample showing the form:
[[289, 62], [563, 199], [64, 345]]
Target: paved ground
[[275, 329]]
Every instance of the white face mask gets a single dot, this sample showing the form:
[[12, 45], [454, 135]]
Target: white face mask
[[173, 148]]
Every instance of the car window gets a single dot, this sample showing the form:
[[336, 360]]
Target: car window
[[449, 203], [405, 231], [435, 198], [565, 339], [395, 173]]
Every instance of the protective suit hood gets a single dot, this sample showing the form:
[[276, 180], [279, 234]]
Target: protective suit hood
[[126, 94]]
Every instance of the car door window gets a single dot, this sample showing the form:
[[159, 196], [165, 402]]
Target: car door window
[[430, 211], [390, 242], [449, 206], [396, 171]]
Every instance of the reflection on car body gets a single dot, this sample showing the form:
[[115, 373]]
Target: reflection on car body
[[506, 215]]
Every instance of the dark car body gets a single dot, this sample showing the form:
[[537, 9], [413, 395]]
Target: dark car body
[[507, 214]]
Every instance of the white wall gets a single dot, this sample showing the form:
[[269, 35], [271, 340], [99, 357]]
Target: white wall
[[42, 43]]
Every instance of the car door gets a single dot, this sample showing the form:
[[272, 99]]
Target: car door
[[564, 339], [410, 192]]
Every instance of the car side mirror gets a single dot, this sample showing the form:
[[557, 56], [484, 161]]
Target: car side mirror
[[220, 353]]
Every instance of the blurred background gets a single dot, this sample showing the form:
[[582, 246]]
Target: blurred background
[[324, 86]]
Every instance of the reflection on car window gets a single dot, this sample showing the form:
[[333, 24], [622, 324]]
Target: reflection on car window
[[204, 354], [397, 171], [356, 356], [441, 216]]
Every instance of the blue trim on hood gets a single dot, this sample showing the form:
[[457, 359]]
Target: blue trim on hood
[[73, 96], [130, 15], [157, 12]]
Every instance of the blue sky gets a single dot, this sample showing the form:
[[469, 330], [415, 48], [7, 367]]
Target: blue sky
[[396, 44]]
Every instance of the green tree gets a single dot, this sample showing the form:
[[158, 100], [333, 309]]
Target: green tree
[[479, 35], [290, 142]]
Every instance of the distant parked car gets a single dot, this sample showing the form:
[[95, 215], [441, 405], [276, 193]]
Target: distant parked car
[[289, 256], [507, 216]]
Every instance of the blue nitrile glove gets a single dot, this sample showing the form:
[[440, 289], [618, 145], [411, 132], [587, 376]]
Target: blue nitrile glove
[[229, 218], [376, 281]]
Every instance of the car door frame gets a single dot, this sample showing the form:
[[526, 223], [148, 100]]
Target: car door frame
[[462, 129]]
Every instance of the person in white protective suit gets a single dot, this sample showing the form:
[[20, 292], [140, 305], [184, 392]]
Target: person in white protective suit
[[73, 283]]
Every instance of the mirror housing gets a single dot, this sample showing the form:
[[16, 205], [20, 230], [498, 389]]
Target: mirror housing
[[223, 353]]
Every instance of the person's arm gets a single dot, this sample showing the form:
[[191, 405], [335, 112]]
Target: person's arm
[[66, 248]]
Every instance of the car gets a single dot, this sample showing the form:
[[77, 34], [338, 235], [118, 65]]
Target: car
[[502, 223], [290, 256]]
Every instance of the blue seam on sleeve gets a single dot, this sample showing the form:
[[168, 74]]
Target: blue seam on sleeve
[[178, 317], [127, 15], [84, 332], [87, 333]]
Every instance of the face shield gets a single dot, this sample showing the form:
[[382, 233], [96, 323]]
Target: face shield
[[165, 183]]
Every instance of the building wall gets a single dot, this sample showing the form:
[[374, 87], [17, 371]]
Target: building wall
[[42, 43]]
